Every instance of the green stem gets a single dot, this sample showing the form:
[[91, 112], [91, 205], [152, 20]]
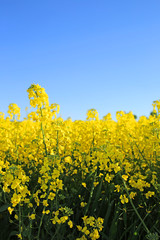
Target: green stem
[[19, 219], [91, 194], [44, 139], [5, 200], [58, 228], [30, 230], [43, 133], [57, 145], [41, 221], [143, 223], [39, 229]]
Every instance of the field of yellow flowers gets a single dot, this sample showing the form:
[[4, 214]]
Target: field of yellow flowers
[[65, 180]]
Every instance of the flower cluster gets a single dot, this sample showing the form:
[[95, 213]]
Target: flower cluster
[[69, 176]]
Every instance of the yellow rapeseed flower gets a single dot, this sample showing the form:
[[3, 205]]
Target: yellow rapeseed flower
[[124, 199], [70, 223], [32, 216]]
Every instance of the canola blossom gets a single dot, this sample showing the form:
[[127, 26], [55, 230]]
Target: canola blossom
[[89, 179]]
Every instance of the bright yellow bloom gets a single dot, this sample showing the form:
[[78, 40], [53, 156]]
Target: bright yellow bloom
[[10, 210], [84, 184], [149, 194], [68, 159], [70, 223], [45, 203], [124, 199], [125, 177], [64, 219], [132, 195], [83, 204], [117, 188], [19, 236], [94, 235], [16, 216], [32, 216]]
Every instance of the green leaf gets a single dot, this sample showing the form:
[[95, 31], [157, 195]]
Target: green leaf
[[4, 207], [13, 233], [152, 236], [108, 213], [98, 194], [114, 225]]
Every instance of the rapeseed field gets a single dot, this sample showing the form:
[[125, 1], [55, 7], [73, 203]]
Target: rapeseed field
[[78, 180]]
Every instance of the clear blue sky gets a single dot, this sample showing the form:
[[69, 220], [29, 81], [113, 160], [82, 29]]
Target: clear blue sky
[[102, 54]]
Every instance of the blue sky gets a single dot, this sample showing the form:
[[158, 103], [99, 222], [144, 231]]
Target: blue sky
[[86, 54]]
